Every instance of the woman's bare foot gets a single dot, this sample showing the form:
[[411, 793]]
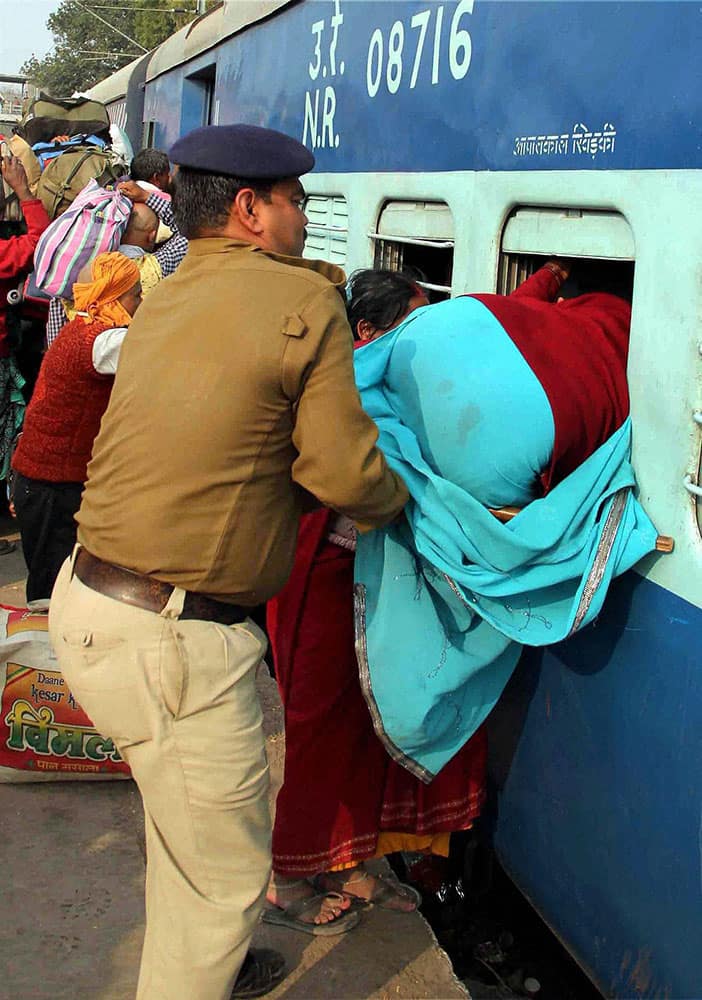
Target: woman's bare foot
[[282, 892], [360, 884]]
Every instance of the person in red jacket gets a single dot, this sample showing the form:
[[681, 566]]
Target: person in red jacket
[[64, 414], [16, 255]]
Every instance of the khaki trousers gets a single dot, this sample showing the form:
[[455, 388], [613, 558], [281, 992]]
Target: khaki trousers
[[179, 700]]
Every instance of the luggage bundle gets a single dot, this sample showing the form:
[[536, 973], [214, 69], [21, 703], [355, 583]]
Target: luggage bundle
[[68, 172], [92, 224], [63, 144]]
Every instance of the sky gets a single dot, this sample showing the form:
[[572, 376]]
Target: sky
[[23, 31]]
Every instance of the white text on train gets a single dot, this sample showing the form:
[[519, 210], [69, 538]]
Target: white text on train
[[395, 68], [320, 103]]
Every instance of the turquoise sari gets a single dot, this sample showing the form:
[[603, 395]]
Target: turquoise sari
[[447, 596]]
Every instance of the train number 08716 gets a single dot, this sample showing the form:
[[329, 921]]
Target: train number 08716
[[390, 60]]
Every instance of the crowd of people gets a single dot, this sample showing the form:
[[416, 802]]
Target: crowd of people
[[219, 423]]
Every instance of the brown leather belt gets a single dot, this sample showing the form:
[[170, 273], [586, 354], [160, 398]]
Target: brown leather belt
[[151, 595]]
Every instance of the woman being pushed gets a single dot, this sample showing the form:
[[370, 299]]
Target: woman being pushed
[[557, 364], [344, 800]]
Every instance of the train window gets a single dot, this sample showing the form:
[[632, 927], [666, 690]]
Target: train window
[[532, 235], [198, 107], [327, 228], [417, 236], [149, 134]]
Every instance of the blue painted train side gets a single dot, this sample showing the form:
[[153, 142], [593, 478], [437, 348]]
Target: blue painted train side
[[473, 85], [486, 106], [596, 765]]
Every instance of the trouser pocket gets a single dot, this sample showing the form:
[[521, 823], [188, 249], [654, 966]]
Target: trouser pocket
[[109, 679]]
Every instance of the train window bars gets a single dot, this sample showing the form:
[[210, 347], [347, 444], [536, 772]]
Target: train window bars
[[531, 235], [117, 110], [327, 228], [417, 236]]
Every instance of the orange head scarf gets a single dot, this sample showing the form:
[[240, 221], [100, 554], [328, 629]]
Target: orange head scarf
[[113, 274]]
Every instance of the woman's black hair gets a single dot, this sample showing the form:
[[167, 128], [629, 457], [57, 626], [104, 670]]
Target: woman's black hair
[[381, 297]]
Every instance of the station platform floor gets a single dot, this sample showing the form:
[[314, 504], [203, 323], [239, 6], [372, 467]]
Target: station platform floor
[[71, 902]]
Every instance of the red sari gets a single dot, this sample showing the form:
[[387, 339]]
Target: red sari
[[341, 788]]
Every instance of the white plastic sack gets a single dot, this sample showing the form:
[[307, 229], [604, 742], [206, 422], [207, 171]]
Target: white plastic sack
[[121, 144]]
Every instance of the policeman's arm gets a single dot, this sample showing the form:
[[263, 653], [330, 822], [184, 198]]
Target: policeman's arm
[[338, 459]]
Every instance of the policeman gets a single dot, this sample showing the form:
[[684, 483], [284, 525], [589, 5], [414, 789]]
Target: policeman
[[234, 402]]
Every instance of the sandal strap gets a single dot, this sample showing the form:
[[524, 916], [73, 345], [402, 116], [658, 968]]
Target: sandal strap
[[302, 906], [360, 877], [327, 882], [386, 888]]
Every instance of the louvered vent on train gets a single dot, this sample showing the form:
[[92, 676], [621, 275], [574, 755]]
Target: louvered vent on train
[[327, 228], [417, 237]]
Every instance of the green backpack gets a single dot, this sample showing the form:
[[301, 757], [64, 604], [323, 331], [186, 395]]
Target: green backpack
[[63, 178]]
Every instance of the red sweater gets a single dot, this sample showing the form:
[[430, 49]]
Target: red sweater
[[64, 414], [578, 351], [16, 256]]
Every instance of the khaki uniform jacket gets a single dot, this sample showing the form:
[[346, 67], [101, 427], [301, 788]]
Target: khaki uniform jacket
[[234, 395]]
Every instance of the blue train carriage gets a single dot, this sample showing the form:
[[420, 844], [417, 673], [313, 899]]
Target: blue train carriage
[[123, 97], [122, 93], [472, 139]]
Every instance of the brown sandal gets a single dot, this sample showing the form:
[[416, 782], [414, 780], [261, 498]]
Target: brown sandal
[[291, 916], [386, 893]]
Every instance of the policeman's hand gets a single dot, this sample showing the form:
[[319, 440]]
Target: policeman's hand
[[133, 191], [15, 175]]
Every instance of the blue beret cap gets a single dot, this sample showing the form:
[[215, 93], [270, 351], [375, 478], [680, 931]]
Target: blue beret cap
[[242, 151]]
